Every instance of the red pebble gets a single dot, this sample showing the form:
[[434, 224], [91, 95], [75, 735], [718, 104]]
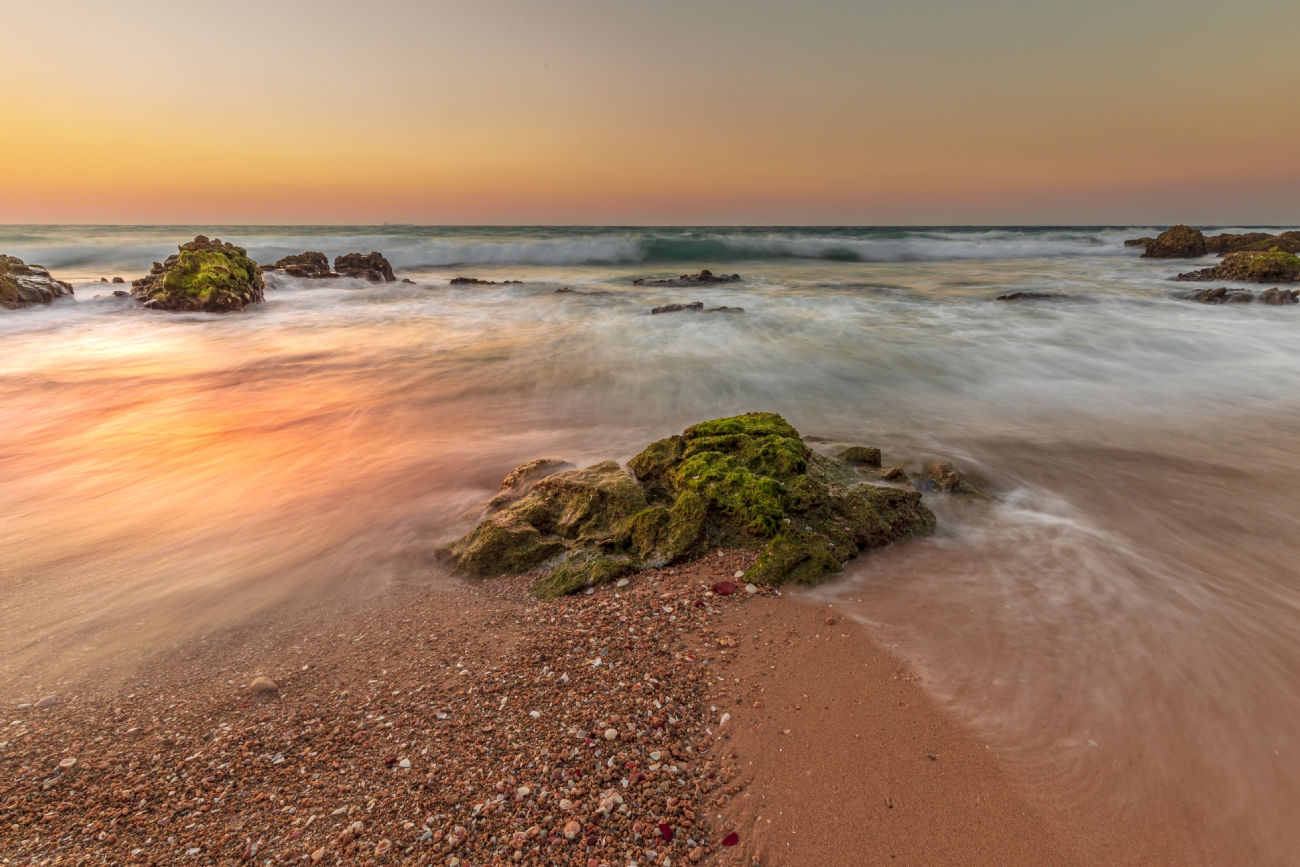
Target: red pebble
[[666, 832], [724, 588], [731, 839]]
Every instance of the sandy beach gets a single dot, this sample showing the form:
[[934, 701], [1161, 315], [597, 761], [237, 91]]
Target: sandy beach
[[469, 724]]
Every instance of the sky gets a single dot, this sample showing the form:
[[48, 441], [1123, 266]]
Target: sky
[[666, 112]]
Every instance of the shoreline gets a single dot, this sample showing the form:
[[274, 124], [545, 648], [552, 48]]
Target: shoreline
[[447, 679]]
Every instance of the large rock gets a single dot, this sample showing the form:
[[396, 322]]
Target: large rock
[[22, 284], [367, 266], [1180, 242], [747, 481], [308, 266], [1250, 267], [204, 276]]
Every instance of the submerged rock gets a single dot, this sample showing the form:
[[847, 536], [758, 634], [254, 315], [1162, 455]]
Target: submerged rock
[[705, 277], [942, 476], [22, 284], [1029, 296], [474, 281], [1224, 295], [864, 455], [367, 266], [1138, 242], [205, 275], [1250, 267], [694, 307], [308, 266], [747, 481]]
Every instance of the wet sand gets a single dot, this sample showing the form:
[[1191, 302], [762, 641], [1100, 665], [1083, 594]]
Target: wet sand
[[843, 760]]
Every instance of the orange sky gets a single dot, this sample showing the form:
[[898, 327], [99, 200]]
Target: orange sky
[[824, 111]]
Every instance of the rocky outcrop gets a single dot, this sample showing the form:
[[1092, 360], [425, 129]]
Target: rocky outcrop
[[747, 481], [1138, 242], [204, 276], [307, 266], [1250, 267], [1254, 242], [1223, 295], [22, 285], [704, 278], [474, 281], [366, 266], [522, 478], [1180, 242]]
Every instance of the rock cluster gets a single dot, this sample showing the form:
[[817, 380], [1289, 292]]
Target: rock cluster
[[307, 266], [705, 277], [1029, 296], [366, 266], [22, 284], [942, 476], [1183, 242], [586, 737], [745, 482], [474, 281], [203, 276], [1224, 295], [1250, 267]]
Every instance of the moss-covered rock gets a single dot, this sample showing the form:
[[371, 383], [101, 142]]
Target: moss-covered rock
[[942, 476], [745, 481], [1180, 242], [22, 285], [1275, 266], [203, 276], [862, 455], [1259, 242]]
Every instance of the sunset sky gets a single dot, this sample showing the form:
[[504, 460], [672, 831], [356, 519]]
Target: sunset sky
[[665, 112]]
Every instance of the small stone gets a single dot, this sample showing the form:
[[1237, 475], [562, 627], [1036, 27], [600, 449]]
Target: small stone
[[48, 701], [622, 582], [404, 763], [751, 589], [655, 756], [317, 855], [696, 854], [740, 573], [523, 791], [726, 718], [566, 804], [68, 762], [262, 685], [611, 734], [383, 847], [571, 829]]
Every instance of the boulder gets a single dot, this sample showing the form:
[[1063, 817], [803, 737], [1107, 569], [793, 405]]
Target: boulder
[[1250, 267], [1180, 242], [1278, 297], [308, 266], [118, 280], [746, 481], [367, 266], [705, 277], [204, 276], [861, 455], [22, 285]]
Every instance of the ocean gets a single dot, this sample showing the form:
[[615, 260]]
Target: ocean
[[1121, 625]]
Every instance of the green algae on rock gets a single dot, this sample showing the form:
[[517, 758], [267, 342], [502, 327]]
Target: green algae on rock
[[1180, 242], [1275, 266], [22, 285], [204, 276], [744, 482]]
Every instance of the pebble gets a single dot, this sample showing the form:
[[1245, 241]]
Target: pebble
[[262, 685], [726, 718], [68, 762], [383, 847], [404, 763], [751, 589], [739, 574], [622, 582], [48, 701], [611, 734]]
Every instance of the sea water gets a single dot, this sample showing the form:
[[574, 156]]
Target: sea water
[[1122, 625]]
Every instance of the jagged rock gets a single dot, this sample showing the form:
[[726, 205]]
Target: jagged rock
[[205, 275], [705, 277], [1138, 242], [745, 481], [863, 455], [1257, 242], [1278, 297], [1180, 242], [1029, 296], [367, 266], [474, 281], [308, 266], [522, 478], [22, 284], [1250, 267], [942, 476], [1222, 295]]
